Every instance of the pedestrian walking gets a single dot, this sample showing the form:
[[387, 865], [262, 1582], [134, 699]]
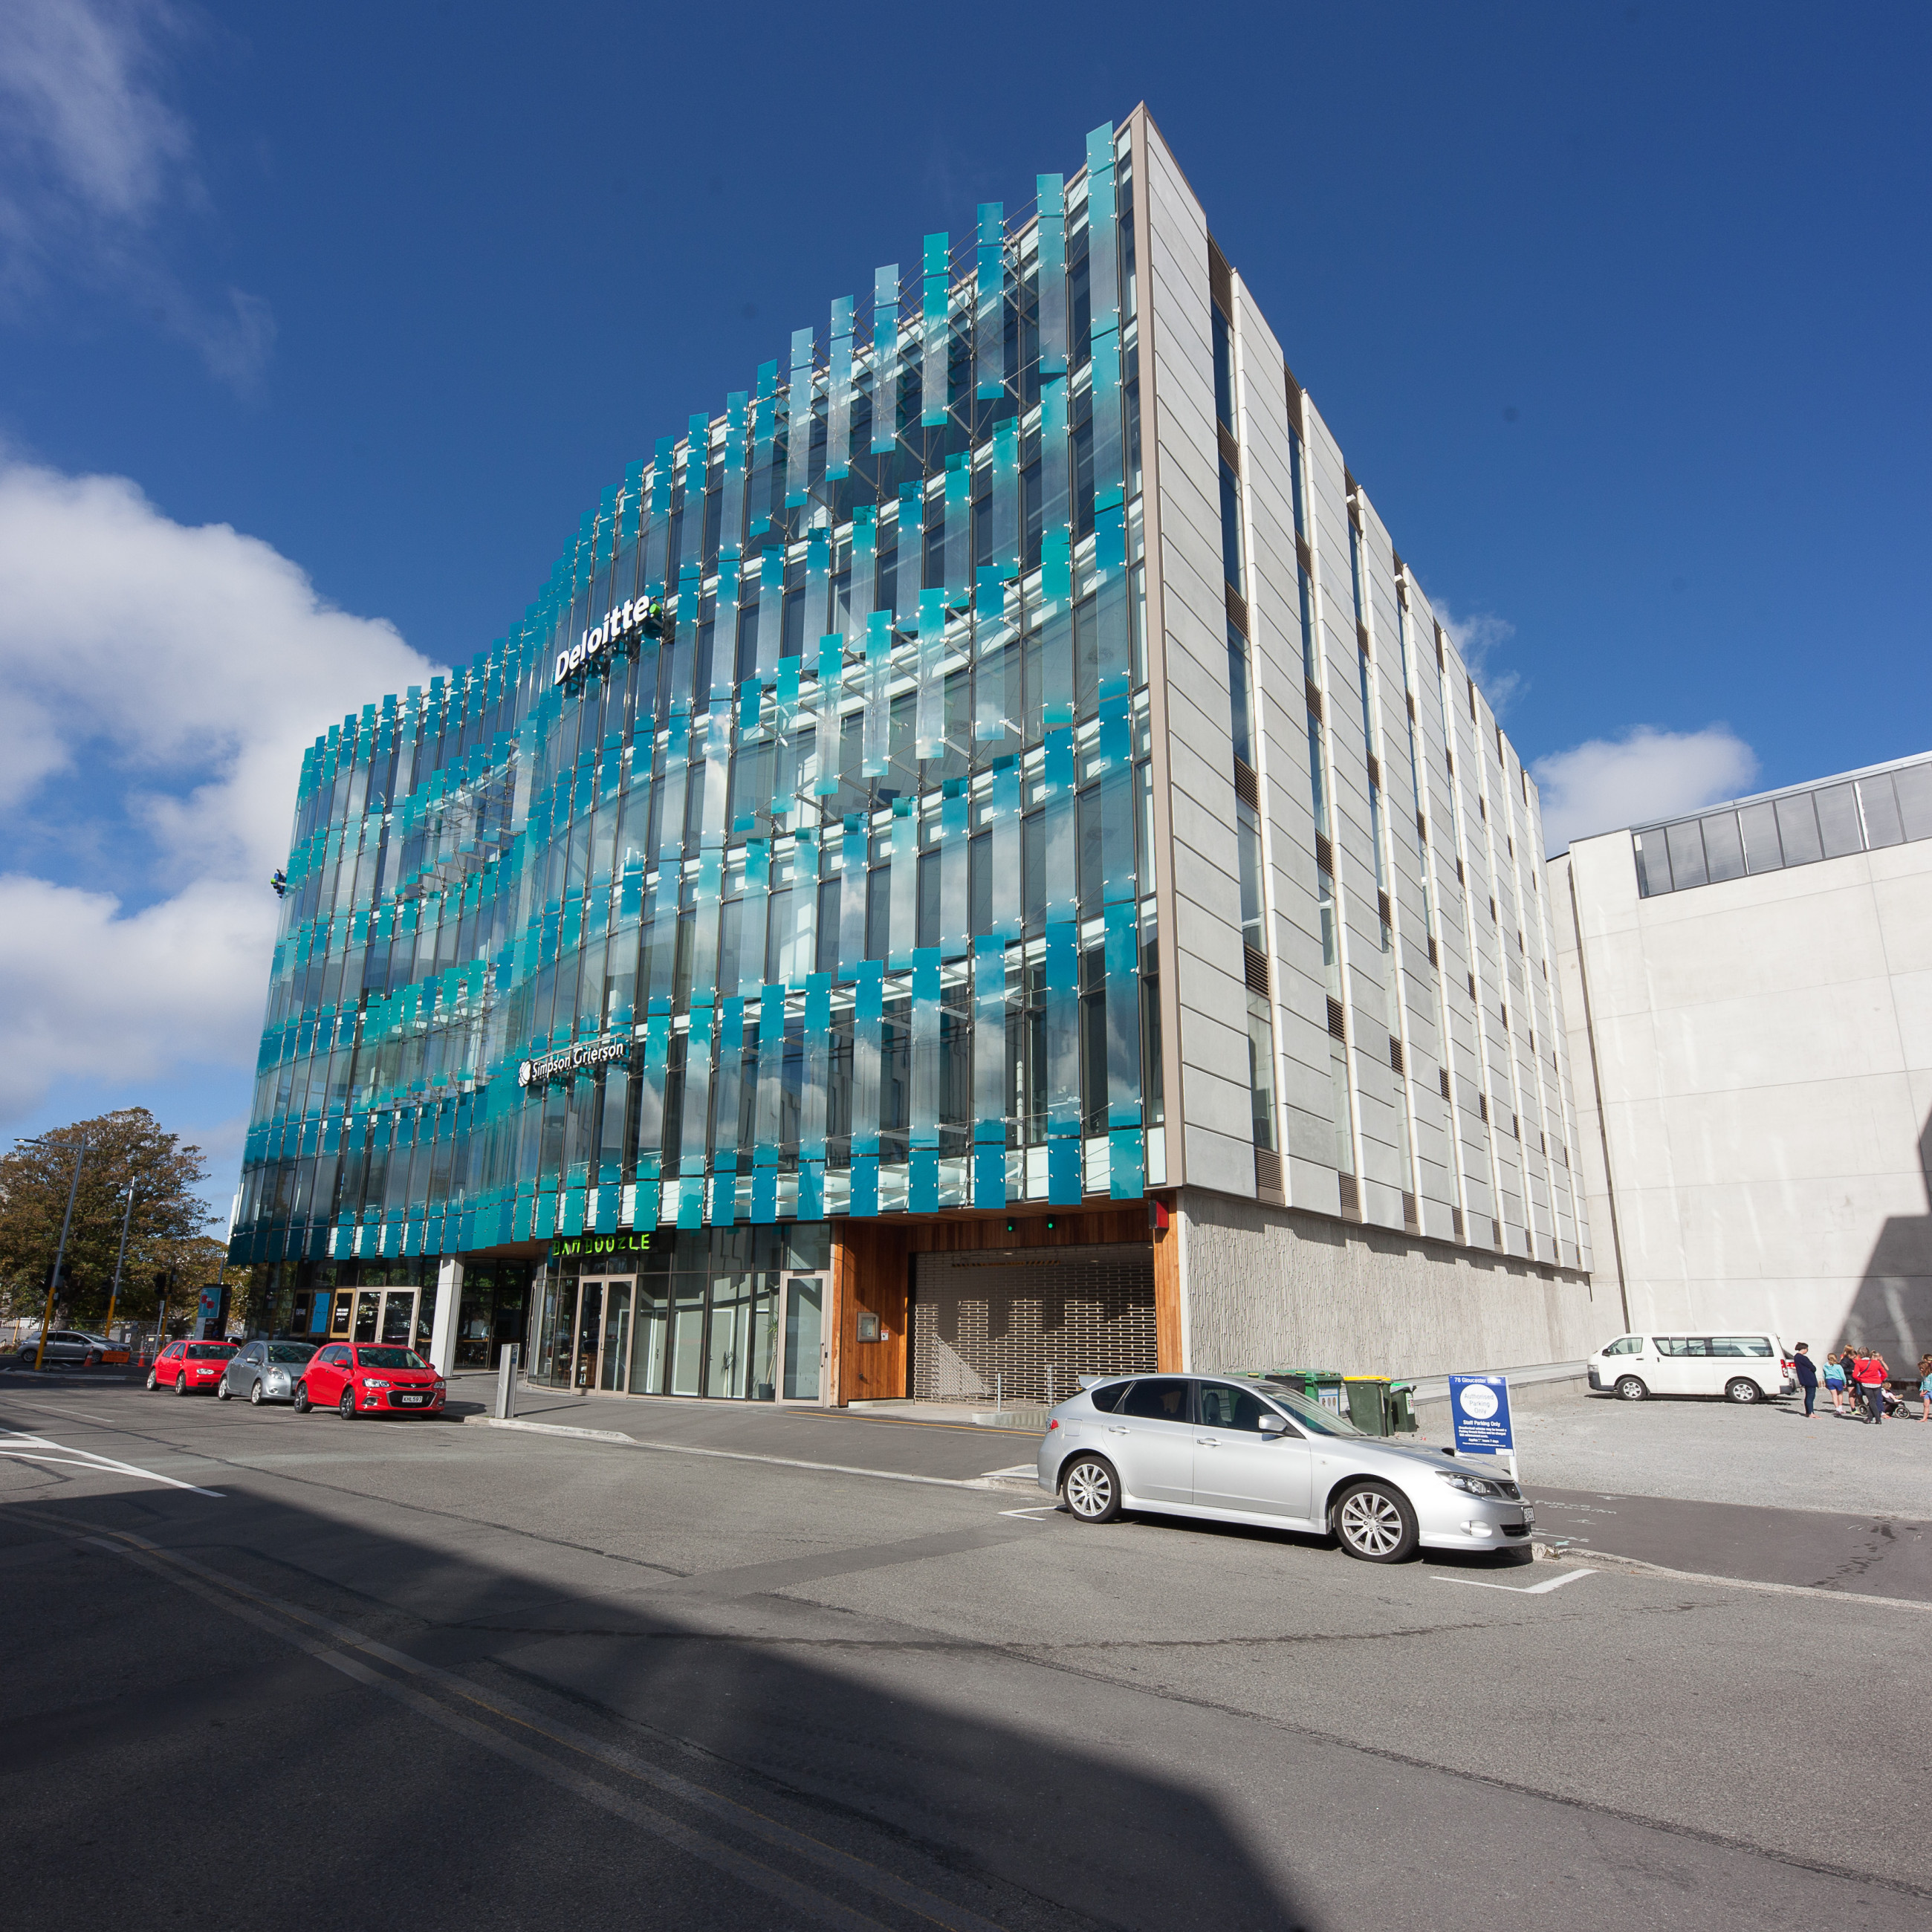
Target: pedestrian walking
[[1808, 1374], [1870, 1372], [1834, 1381], [1925, 1388]]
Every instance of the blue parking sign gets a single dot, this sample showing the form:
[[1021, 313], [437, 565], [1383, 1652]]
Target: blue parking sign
[[1479, 1408]]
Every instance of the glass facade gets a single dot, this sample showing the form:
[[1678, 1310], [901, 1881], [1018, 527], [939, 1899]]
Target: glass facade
[[1860, 812], [789, 859]]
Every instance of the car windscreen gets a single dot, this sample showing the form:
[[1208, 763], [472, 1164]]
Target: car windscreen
[[1312, 1415], [290, 1351], [390, 1358], [210, 1352]]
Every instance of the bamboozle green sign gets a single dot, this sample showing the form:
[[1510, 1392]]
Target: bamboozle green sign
[[591, 1246]]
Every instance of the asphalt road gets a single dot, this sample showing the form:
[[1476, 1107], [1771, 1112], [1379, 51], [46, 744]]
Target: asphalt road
[[425, 1674]]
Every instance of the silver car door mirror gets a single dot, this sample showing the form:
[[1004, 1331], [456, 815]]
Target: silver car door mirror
[[1273, 1425]]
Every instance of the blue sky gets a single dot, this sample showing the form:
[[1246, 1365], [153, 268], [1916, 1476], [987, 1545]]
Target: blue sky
[[1618, 311]]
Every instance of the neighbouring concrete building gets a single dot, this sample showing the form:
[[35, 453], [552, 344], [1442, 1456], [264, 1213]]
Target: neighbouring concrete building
[[1749, 996], [980, 862]]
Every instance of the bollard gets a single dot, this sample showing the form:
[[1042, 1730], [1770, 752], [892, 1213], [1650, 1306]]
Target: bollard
[[506, 1383], [1049, 1384], [999, 1391]]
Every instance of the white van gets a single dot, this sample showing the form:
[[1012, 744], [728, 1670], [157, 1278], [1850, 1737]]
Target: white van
[[1742, 1368]]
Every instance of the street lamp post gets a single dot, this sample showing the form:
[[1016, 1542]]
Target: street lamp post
[[60, 1253], [126, 1214]]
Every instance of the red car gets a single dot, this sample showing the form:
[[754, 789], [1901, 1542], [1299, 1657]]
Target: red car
[[366, 1377], [185, 1366]]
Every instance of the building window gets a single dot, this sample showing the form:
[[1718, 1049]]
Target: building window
[[1224, 369], [1295, 475], [1230, 525], [1318, 776], [1248, 845], [1239, 702], [1261, 1070]]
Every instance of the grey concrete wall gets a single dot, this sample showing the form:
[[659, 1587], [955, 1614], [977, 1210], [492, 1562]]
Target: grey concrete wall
[[1278, 1288], [1763, 1051], [1215, 1144]]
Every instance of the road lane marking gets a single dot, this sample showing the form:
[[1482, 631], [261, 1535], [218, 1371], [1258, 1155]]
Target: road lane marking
[[1523, 1589], [1039, 1514], [31, 1448]]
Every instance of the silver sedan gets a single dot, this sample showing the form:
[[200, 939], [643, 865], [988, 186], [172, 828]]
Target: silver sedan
[[265, 1371], [1239, 1451]]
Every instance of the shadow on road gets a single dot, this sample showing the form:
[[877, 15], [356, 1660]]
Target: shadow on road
[[171, 1731]]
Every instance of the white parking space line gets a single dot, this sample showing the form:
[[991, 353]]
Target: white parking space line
[[34, 1448], [1038, 1514], [1523, 1589], [1018, 1469]]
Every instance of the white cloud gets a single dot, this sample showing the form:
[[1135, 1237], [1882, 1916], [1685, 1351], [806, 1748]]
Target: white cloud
[[92, 157], [1604, 783], [176, 673], [1478, 639]]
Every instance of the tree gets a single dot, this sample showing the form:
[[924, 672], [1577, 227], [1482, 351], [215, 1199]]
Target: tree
[[167, 1229]]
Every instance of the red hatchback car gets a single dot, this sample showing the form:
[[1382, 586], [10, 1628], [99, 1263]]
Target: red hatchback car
[[185, 1366], [368, 1378]]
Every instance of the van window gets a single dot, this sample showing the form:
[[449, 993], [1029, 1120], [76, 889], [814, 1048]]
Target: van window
[[1630, 1345], [1699, 1345], [1740, 1345]]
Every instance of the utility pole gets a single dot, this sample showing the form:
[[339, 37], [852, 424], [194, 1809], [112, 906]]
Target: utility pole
[[126, 1214], [60, 1253]]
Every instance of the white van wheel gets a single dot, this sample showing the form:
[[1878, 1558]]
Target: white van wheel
[[1742, 1388], [1630, 1389]]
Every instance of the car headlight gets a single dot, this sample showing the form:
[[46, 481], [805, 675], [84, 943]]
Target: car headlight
[[370, 1381], [1470, 1485]]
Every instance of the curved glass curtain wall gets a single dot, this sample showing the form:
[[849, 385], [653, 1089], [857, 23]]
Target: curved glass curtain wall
[[833, 899]]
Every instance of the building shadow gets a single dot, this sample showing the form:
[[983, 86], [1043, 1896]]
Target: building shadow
[[186, 1751], [1892, 1310]]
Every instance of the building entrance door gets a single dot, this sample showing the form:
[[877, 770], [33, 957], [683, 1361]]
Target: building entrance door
[[805, 1378], [603, 1331], [387, 1314]]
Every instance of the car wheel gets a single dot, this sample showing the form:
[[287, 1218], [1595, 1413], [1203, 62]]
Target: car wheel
[[152, 1385], [300, 1399], [346, 1408], [255, 1394], [222, 1392], [180, 1383], [1376, 1524], [1631, 1389], [1742, 1388], [1092, 1490]]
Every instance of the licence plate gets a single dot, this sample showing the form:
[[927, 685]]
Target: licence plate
[[418, 1399]]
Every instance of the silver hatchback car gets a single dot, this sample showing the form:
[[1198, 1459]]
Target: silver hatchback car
[[1240, 1451]]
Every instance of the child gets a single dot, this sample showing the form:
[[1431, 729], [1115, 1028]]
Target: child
[[1835, 1380]]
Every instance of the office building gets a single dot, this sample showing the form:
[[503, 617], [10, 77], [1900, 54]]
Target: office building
[[980, 865]]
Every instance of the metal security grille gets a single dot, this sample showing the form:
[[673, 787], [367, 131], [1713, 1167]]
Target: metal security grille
[[1016, 1316]]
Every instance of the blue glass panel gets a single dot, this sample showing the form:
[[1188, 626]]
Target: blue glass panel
[[935, 332], [886, 360], [838, 395], [989, 301]]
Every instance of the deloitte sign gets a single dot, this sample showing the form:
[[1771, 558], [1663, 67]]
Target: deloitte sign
[[571, 1059], [639, 617]]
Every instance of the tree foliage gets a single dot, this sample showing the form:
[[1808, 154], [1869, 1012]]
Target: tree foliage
[[167, 1228]]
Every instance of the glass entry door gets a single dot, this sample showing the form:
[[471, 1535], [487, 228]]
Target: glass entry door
[[387, 1314], [601, 1359], [804, 1339], [614, 1359]]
